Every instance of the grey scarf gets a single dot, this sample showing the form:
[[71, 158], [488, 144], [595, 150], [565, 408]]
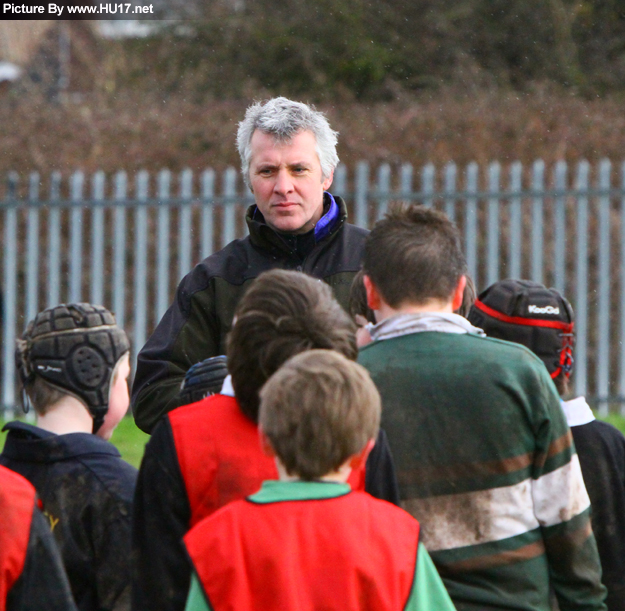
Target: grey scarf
[[404, 324]]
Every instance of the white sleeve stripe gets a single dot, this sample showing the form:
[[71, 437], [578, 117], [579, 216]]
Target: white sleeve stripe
[[560, 495], [471, 518]]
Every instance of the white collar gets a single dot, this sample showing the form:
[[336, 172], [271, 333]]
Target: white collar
[[577, 411], [227, 388]]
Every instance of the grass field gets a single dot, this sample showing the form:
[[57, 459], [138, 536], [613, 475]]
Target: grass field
[[131, 441]]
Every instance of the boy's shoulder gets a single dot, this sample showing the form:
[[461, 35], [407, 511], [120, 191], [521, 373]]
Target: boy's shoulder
[[356, 507], [382, 510], [438, 344], [209, 409], [212, 422], [600, 432], [74, 459]]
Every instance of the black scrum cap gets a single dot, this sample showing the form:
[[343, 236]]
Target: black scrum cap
[[531, 314], [74, 348]]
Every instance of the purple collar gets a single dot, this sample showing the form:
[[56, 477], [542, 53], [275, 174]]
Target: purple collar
[[327, 221]]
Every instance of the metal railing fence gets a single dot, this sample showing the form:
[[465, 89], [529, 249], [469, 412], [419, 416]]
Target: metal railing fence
[[125, 242]]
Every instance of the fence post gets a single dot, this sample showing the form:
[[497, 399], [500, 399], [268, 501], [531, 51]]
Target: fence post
[[427, 184], [208, 208], [75, 237], [514, 254], [339, 184], [229, 208], [162, 244], [602, 361], [538, 187], [10, 297], [54, 241], [492, 263], [32, 249], [362, 187], [119, 249], [185, 236], [406, 181], [471, 221], [450, 189], [97, 239], [384, 189], [581, 305], [141, 256], [559, 242]]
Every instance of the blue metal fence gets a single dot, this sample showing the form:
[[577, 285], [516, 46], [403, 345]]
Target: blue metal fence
[[125, 242]]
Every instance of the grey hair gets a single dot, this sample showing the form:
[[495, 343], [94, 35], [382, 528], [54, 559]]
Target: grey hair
[[283, 118]]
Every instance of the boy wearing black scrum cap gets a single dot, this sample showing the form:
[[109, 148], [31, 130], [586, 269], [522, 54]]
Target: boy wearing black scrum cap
[[73, 362], [541, 319]]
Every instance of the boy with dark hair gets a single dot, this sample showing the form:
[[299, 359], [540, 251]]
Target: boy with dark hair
[[308, 541], [364, 316], [484, 456], [205, 455], [541, 319], [73, 362], [32, 577]]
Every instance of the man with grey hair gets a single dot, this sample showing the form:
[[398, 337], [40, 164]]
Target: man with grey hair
[[288, 156]]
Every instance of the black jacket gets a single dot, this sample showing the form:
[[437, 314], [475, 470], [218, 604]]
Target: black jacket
[[42, 585], [601, 451], [86, 490], [196, 324], [162, 514]]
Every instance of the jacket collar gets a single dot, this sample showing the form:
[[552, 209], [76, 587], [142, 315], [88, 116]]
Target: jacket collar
[[29, 443], [263, 236]]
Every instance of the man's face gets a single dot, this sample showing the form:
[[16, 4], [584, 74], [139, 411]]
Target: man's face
[[286, 181]]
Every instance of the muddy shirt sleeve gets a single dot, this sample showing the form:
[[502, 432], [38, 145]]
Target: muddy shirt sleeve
[[161, 571], [380, 478], [428, 591], [43, 585], [196, 601]]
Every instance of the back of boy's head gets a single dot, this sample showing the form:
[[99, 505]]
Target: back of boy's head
[[531, 314], [282, 314], [71, 349], [414, 255], [318, 410]]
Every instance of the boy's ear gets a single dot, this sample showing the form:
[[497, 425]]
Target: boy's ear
[[265, 444], [359, 460], [458, 293], [373, 295]]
